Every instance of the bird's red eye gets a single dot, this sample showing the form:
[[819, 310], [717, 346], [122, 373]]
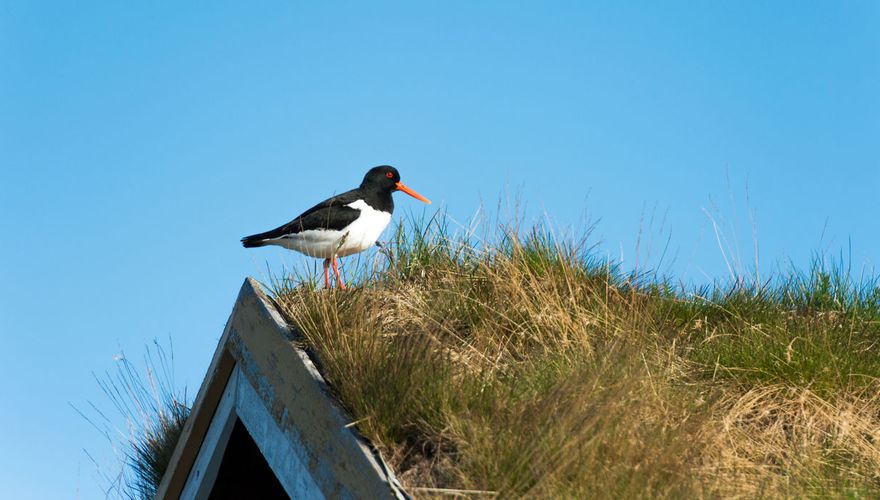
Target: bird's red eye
[[389, 175]]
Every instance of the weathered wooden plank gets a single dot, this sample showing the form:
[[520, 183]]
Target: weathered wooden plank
[[200, 418], [283, 450]]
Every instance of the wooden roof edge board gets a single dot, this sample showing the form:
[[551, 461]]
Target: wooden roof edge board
[[258, 340], [202, 413]]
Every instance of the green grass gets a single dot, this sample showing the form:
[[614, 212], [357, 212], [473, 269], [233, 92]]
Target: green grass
[[820, 330], [527, 367]]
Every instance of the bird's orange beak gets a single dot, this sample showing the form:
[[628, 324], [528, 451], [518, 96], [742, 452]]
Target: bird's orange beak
[[412, 193]]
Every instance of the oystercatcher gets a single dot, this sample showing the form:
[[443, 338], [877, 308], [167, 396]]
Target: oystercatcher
[[342, 225]]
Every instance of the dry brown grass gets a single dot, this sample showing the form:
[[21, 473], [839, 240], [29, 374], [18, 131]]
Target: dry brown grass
[[786, 441], [525, 370]]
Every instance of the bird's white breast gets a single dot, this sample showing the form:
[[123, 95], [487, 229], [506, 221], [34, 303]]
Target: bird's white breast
[[364, 231]]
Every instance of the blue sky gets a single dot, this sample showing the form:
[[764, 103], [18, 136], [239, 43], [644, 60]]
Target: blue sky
[[140, 141]]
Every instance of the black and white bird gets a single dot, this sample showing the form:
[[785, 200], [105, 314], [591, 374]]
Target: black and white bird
[[342, 225]]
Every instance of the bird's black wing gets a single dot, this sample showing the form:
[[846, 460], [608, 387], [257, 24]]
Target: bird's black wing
[[331, 213]]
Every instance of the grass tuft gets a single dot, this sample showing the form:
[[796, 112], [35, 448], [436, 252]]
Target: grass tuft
[[154, 412]]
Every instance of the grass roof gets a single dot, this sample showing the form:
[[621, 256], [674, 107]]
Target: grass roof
[[527, 367]]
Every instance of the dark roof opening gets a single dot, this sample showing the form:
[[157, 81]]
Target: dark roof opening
[[244, 472]]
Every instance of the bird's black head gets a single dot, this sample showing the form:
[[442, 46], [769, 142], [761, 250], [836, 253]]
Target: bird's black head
[[386, 178], [383, 178]]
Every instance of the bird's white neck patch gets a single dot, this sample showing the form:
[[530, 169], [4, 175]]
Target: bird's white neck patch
[[363, 207]]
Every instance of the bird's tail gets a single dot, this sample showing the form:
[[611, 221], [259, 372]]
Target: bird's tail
[[253, 241]]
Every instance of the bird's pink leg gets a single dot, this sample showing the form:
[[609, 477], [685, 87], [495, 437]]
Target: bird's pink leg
[[339, 282], [326, 273]]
